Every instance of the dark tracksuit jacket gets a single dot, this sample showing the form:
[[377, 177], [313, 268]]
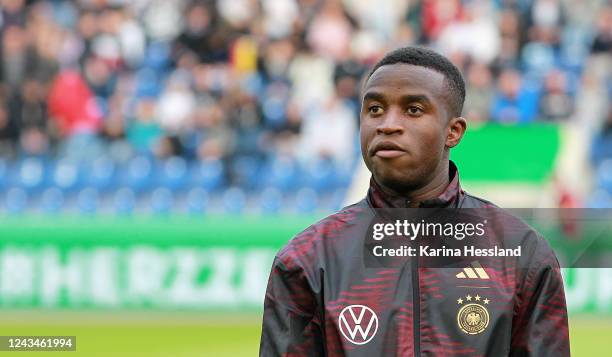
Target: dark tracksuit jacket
[[324, 299]]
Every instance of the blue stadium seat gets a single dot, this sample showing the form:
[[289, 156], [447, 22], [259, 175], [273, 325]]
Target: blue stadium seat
[[138, 174], [601, 150], [52, 201], [174, 173], [3, 173], [101, 174], [281, 173], [124, 201], [16, 200], [161, 201], [306, 201], [67, 175], [600, 199], [31, 174], [82, 146], [88, 201], [604, 175], [207, 174], [344, 173], [270, 201], [244, 172], [234, 200], [320, 175], [336, 200], [197, 201]]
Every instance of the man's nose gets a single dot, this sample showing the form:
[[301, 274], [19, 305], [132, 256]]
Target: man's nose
[[390, 124]]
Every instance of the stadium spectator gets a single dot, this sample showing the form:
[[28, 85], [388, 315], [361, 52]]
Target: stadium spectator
[[13, 13], [383, 19], [31, 113], [176, 104], [200, 35], [213, 135], [72, 105], [436, 15], [545, 20], [513, 102], [479, 92], [217, 79], [14, 57], [330, 31], [474, 33], [602, 42], [510, 39], [8, 132], [602, 144], [143, 129], [556, 103], [329, 132], [279, 17]]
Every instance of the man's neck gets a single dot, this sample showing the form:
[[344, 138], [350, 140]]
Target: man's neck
[[431, 190]]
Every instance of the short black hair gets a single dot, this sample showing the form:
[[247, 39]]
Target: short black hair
[[424, 57]]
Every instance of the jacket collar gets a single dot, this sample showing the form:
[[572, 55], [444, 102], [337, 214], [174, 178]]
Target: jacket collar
[[450, 197]]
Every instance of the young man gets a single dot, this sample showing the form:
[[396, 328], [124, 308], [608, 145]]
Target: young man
[[324, 299]]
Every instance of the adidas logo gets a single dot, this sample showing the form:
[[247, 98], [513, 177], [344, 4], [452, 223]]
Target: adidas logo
[[474, 272]]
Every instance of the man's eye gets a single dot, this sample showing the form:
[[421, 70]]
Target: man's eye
[[375, 109], [415, 110]]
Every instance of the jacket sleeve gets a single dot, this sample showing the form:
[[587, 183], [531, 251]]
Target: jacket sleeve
[[290, 325], [540, 326]]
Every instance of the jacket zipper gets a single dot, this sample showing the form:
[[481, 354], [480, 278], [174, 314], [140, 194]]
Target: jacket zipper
[[416, 307]]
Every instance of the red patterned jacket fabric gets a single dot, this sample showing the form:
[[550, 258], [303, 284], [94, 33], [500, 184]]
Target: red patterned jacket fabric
[[325, 298]]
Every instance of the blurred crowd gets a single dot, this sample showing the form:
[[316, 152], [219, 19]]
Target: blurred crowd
[[260, 80]]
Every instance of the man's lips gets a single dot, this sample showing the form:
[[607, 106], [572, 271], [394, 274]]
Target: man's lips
[[387, 150], [389, 154]]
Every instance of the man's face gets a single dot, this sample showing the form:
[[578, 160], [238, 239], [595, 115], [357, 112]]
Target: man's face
[[404, 126]]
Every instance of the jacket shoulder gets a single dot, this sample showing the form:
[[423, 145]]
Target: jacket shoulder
[[304, 255], [471, 201], [327, 226]]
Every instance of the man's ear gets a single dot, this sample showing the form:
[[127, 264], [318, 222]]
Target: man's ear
[[455, 130]]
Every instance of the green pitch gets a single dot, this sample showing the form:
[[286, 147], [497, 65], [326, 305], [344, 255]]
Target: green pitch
[[220, 336]]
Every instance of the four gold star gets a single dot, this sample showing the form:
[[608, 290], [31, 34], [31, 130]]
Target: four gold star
[[469, 297]]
